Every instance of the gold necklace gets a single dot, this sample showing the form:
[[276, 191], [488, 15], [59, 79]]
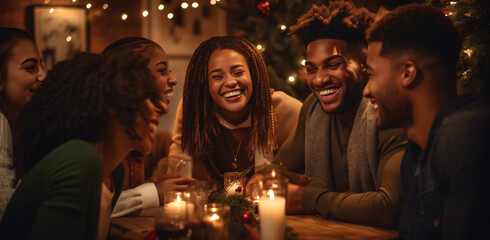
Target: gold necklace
[[235, 154]]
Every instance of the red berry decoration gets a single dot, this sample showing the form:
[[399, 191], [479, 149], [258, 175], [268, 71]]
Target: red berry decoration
[[247, 217], [264, 7], [238, 189]]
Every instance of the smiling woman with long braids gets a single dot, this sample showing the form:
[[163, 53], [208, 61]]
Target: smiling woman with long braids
[[229, 118], [90, 113], [21, 74]]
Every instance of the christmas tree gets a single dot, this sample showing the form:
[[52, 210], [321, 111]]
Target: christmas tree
[[472, 20], [265, 23]]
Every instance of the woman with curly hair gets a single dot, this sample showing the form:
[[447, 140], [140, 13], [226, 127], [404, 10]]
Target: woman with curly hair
[[90, 113], [21, 74], [139, 195], [229, 118]]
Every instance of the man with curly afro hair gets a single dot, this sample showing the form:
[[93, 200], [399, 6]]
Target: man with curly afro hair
[[354, 166], [412, 84]]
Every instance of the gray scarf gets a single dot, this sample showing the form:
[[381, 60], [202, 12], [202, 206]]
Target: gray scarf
[[362, 159]]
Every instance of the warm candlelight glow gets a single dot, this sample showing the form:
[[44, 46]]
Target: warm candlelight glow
[[161, 7], [51, 10], [170, 15], [145, 13], [214, 217], [271, 194], [105, 6], [89, 5], [124, 16]]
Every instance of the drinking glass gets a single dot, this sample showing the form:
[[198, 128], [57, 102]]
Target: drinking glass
[[181, 165]]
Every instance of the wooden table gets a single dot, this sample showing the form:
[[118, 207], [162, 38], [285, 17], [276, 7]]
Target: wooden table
[[306, 226]]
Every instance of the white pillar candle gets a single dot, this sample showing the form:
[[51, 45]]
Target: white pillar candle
[[272, 212]]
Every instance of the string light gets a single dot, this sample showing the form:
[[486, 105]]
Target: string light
[[283, 27], [184, 5], [74, 0], [170, 15], [68, 39], [453, 3], [51, 10], [212, 2], [260, 48], [303, 62], [89, 5], [468, 52], [161, 7], [195, 4], [291, 78], [124, 16], [145, 13], [105, 6]]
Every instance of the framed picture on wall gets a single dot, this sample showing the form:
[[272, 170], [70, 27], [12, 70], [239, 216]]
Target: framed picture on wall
[[60, 31]]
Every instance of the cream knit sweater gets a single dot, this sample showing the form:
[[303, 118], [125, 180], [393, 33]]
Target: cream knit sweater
[[6, 174]]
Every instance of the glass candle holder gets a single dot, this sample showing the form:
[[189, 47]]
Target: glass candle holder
[[214, 223], [233, 183], [171, 221], [272, 206]]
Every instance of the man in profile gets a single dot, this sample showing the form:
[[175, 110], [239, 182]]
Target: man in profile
[[411, 62]]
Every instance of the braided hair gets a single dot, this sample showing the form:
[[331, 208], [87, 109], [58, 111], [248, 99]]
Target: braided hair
[[138, 44], [338, 20], [74, 100], [200, 124]]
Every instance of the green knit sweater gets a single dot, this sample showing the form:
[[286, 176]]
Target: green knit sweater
[[59, 197]]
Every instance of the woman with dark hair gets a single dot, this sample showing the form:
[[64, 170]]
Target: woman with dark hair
[[230, 119], [21, 73], [139, 195], [90, 113]]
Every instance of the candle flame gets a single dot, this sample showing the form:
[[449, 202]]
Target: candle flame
[[271, 194], [214, 217], [178, 198], [273, 172]]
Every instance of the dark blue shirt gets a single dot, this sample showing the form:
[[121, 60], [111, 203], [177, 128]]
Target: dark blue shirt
[[445, 186]]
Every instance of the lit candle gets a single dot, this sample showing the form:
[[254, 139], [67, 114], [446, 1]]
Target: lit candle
[[272, 212], [177, 209], [215, 221]]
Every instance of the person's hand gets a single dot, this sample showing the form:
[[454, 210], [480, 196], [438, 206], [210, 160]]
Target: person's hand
[[173, 184], [295, 199]]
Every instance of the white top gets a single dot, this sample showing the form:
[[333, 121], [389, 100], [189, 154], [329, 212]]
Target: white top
[[7, 175], [137, 201]]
